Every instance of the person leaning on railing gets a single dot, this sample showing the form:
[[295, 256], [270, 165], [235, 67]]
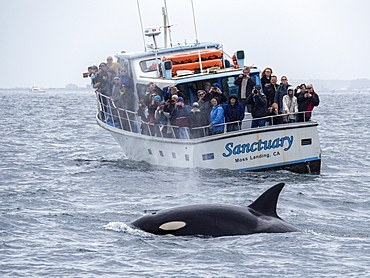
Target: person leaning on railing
[[161, 121], [306, 102], [123, 100], [181, 114], [234, 113], [216, 117], [290, 106], [196, 120], [275, 118], [143, 113], [258, 103]]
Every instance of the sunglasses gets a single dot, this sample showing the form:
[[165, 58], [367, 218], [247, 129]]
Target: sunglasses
[[309, 88]]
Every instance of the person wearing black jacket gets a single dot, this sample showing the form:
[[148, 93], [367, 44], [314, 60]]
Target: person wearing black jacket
[[196, 120], [215, 92], [234, 113], [143, 113], [281, 91], [105, 92], [246, 84], [266, 77], [270, 90], [306, 102], [258, 103]]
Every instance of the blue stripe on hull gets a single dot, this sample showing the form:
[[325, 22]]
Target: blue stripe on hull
[[279, 164]]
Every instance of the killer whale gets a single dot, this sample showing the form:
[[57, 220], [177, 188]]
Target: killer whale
[[218, 220]]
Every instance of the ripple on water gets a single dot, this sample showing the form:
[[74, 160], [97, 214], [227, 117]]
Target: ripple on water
[[68, 195]]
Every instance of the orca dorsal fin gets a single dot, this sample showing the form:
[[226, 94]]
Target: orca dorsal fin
[[266, 203]]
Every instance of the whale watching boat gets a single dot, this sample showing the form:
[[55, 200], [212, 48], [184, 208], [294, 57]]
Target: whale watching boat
[[37, 89], [289, 146]]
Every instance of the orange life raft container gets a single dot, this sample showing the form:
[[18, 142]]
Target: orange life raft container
[[193, 57], [196, 65]]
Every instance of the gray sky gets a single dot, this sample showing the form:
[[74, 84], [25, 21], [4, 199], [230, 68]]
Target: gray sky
[[50, 43]]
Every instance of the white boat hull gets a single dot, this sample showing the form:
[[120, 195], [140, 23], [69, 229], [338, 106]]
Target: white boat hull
[[294, 147]]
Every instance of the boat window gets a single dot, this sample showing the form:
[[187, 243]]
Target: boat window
[[190, 89], [257, 78], [124, 64], [208, 156], [140, 88], [307, 141], [228, 86], [149, 65]]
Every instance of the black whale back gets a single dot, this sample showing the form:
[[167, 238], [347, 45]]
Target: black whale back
[[219, 220], [267, 202]]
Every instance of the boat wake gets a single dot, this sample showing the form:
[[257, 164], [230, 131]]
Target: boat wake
[[123, 227]]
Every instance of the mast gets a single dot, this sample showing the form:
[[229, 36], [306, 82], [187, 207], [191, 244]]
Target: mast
[[141, 23], [165, 24], [195, 23]]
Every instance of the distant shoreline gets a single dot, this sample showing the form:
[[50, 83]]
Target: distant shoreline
[[48, 89], [320, 85]]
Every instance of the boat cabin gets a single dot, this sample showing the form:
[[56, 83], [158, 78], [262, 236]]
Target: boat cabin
[[187, 67]]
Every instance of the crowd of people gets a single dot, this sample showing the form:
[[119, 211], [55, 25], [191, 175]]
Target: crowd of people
[[272, 99], [164, 113]]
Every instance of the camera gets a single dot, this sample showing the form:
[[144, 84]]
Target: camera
[[244, 75], [85, 75]]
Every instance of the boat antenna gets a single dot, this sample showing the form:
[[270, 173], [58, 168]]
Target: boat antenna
[[141, 23], [164, 27], [195, 23], [167, 25]]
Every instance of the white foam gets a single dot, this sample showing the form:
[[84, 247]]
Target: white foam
[[123, 227]]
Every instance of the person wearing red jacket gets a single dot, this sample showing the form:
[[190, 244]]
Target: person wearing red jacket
[[307, 100]]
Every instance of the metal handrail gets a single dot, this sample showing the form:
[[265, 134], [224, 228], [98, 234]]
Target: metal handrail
[[127, 120]]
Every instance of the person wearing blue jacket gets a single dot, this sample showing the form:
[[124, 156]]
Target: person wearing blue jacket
[[216, 117], [234, 113]]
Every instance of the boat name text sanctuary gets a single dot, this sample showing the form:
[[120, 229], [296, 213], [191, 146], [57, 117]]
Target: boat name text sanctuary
[[258, 146]]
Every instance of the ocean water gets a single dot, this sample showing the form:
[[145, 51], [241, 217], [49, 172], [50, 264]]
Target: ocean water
[[67, 194]]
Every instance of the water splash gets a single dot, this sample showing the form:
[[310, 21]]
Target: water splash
[[123, 227]]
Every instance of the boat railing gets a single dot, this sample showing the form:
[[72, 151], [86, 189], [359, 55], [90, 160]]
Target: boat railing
[[124, 119]]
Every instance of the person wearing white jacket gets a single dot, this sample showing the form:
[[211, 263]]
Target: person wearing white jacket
[[290, 106]]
